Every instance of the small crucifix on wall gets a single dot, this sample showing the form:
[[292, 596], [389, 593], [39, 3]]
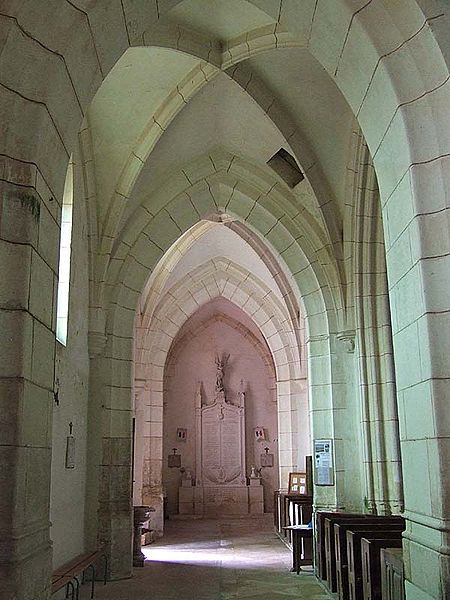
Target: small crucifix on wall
[[174, 460], [266, 458]]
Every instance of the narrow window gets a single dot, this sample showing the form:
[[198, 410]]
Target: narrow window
[[62, 311]]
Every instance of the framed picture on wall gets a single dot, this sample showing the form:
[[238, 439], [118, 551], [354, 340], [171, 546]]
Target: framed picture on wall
[[297, 484], [260, 435], [323, 459], [182, 434]]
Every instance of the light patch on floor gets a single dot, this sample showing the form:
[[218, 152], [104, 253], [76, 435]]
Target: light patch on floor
[[216, 560]]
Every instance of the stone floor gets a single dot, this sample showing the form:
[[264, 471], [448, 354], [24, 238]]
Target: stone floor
[[215, 560]]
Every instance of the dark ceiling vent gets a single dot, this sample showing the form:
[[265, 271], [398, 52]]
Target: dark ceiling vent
[[286, 167]]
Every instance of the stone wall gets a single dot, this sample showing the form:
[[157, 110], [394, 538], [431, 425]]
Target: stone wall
[[68, 490]]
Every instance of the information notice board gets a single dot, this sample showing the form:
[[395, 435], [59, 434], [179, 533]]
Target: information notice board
[[323, 461]]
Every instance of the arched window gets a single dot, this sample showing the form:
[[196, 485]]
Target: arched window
[[62, 311]]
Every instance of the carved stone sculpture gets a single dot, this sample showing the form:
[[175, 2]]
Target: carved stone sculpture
[[220, 372]]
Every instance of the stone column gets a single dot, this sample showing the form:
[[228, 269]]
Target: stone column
[[152, 489], [110, 505], [29, 234], [322, 409]]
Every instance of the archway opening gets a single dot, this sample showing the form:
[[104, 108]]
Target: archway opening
[[238, 293]]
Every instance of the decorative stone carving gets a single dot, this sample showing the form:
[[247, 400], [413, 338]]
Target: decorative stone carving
[[241, 394], [186, 480], [347, 338], [221, 363]]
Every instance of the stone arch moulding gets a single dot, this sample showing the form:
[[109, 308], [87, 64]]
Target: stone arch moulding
[[224, 187], [219, 277], [262, 348], [165, 113], [282, 278], [141, 247], [377, 385]]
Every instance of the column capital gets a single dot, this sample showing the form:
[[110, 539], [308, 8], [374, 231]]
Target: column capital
[[347, 337]]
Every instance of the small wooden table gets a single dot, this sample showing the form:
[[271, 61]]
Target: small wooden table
[[302, 536]]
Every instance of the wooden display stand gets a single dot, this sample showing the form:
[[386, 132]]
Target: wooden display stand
[[293, 514], [290, 509], [301, 546]]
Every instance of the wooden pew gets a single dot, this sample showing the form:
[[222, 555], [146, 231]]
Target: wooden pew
[[330, 552], [354, 557], [371, 564], [372, 524], [319, 537], [392, 574]]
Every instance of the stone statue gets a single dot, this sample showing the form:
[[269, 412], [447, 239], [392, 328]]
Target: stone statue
[[241, 395], [220, 364]]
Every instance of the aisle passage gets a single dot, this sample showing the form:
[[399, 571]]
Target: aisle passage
[[216, 560]]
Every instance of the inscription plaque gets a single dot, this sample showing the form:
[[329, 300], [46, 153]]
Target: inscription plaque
[[222, 446], [220, 473]]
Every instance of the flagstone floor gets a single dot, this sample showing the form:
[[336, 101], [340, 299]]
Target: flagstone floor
[[215, 560]]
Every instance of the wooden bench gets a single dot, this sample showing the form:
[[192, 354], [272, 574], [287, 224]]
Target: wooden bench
[[330, 551], [319, 534], [371, 564], [372, 524], [67, 575], [354, 538], [392, 574]]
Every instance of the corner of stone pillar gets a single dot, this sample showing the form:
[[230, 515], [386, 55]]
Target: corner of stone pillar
[[152, 496], [26, 565], [115, 536], [96, 343]]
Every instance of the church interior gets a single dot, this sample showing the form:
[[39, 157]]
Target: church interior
[[225, 259]]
